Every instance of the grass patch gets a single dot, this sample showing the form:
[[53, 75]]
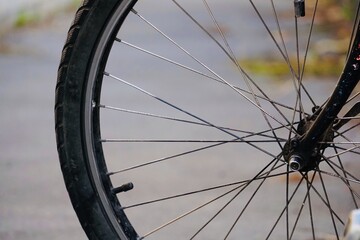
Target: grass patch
[[34, 15], [326, 56], [25, 18], [327, 52], [316, 66]]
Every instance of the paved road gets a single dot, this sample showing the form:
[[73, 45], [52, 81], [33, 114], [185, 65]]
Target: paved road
[[33, 200]]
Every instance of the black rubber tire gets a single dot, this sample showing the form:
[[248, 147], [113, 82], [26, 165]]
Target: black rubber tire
[[82, 39]]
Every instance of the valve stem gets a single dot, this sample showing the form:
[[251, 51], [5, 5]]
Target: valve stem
[[123, 188]]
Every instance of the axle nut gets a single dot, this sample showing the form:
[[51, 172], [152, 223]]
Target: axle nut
[[296, 163]]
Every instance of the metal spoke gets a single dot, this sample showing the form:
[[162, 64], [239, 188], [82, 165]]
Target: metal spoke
[[342, 148], [287, 59], [177, 156], [342, 118], [326, 204], [285, 209], [232, 57], [240, 183], [353, 97], [298, 82], [287, 202], [167, 60], [245, 207], [114, 140], [243, 186], [249, 134], [272, 37], [332, 164], [233, 198], [295, 77], [164, 159], [347, 181], [304, 176], [343, 152], [187, 113], [309, 203], [241, 70], [328, 201], [168, 103], [207, 68], [307, 51], [282, 122], [188, 213], [265, 98], [178, 45], [350, 128], [279, 48], [339, 143]]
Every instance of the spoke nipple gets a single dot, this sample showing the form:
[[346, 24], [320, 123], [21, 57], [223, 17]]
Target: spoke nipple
[[296, 163], [123, 188]]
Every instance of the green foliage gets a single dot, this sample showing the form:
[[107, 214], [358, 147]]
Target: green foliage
[[316, 66], [25, 18], [334, 19], [346, 7]]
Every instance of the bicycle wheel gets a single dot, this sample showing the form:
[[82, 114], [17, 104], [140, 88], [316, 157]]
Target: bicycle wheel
[[174, 119]]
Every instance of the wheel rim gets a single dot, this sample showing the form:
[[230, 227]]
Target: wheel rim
[[155, 147]]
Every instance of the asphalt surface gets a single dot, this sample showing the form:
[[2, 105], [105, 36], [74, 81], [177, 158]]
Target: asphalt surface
[[33, 199]]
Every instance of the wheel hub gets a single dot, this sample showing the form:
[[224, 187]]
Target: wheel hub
[[302, 157]]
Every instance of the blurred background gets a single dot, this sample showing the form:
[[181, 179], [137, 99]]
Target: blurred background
[[33, 199]]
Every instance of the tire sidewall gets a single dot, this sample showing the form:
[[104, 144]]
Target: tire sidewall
[[74, 165]]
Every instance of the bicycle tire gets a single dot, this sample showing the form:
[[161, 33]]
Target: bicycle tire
[[89, 18], [78, 114]]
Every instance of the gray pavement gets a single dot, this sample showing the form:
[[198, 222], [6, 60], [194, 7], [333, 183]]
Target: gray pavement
[[33, 199]]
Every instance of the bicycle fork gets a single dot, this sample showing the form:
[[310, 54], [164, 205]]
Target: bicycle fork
[[304, 153]]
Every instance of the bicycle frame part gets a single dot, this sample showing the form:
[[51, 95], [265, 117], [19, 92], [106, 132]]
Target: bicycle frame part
[[323, 119], [348, 81]]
